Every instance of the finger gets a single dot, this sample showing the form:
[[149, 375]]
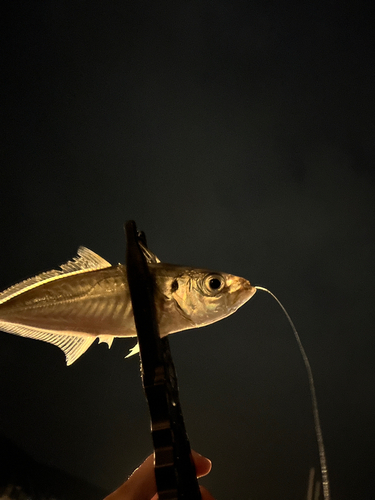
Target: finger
[[141, 484], [202, 464]]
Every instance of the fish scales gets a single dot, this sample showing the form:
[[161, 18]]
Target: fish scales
[[92, 302], [88, 298]]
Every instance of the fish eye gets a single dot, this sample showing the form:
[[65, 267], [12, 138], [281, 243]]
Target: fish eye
[[213, 283]]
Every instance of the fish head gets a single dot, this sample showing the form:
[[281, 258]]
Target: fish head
[[202, 297]]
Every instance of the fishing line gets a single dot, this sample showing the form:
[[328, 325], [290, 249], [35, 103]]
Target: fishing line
[[318, 430]]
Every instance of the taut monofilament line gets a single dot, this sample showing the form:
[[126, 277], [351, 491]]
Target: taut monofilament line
[[318, 430]]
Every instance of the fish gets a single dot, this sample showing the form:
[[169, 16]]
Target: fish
[[88, 299]]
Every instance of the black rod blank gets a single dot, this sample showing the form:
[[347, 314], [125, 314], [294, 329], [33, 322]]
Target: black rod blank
[[174, 467]]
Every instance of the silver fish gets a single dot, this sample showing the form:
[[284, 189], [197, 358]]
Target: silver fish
[[88, 298]]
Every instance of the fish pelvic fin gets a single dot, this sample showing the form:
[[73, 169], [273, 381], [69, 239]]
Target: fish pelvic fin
[[106, 338], [86, 260], [133, 351], [72, 345]]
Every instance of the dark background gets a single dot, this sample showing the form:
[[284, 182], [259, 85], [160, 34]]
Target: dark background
[[241, 137]]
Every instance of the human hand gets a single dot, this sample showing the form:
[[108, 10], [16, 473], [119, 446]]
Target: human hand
[[141, 484]]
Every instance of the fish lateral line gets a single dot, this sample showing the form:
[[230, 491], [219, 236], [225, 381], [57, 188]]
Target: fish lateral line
[[318, 429]]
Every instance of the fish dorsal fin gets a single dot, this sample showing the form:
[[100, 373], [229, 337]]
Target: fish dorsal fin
[[150, 256], [72, 345], [87, 260]]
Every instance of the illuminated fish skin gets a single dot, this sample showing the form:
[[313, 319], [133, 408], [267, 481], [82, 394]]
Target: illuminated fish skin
[[91, 303], [72, 307], [192, 304]]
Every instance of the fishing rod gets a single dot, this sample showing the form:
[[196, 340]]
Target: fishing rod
[[174, 467]]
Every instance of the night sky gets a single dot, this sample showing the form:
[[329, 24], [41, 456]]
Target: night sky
[[240, 136]]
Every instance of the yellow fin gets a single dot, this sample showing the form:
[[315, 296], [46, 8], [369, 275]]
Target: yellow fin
[[150, 256], [133, 351], [106, 338], [72, 345], [87, 260]]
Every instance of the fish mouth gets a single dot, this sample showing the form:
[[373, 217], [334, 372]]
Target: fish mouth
[[243, 292], [248, 289]]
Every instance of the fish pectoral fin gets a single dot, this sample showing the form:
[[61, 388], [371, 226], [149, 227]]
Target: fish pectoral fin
[[106, 338], [133, 351], [72, 345]]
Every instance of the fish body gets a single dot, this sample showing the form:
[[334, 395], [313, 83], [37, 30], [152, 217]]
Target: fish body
[[88, 298]]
